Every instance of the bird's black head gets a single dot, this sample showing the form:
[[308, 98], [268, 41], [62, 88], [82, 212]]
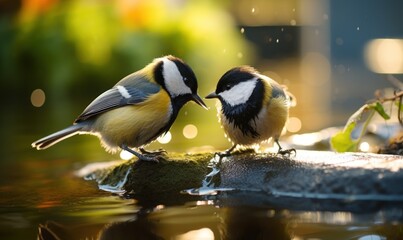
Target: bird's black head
[[178, 79], [238, 86], [241, 93], [234, 77]]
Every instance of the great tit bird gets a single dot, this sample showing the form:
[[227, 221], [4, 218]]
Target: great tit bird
[[137, 110], [254, 107]]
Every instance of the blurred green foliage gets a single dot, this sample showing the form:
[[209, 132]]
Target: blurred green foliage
[[81, 46], [75, 50]]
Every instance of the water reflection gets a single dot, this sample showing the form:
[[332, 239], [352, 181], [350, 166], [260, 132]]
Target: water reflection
[[212, 221], [45, 199]]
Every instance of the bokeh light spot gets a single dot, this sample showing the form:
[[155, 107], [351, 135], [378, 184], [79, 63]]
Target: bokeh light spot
[[339, 41], [294, 124], [38, 98], [125, 155], [164, 139], [385, 55], [364, 147], [315, 69], [203, 233], [190, 131]]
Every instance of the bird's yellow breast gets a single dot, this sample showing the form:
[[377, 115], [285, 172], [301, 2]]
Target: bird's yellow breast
[[135, 125]]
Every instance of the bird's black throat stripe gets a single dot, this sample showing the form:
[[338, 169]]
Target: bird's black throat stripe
[[158, 75], [243, 114]]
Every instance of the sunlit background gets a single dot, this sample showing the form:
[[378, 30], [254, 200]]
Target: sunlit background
[[57, 56]]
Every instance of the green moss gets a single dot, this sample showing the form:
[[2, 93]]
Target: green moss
[[150, 182], [114, 174], [178, 172]]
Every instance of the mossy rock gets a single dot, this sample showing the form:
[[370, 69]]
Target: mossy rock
[[260, 179]]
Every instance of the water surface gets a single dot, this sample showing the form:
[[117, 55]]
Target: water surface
[[43, 198]]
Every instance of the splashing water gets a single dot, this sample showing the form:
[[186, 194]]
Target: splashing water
[[208, 186], [118, 187]]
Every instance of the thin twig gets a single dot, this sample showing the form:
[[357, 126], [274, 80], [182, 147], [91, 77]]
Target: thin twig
[[387, 99]]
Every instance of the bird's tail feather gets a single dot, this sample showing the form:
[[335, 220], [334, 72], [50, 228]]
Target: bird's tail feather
[[56, 137]]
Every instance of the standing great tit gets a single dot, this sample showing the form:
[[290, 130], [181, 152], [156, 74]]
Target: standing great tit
[[137, 110], [254, 107]]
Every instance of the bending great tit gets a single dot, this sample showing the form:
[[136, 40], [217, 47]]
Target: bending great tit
[[254, 107], [137, 110]]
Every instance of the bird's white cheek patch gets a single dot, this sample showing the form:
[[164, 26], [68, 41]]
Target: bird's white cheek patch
[[173, 79], [123, 91], [239, 93]]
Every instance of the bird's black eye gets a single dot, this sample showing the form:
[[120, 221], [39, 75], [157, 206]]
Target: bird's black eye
[[227, 87], [184, 79]]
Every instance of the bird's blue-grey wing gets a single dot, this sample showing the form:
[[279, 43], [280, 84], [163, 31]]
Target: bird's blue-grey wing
[[281, 91], [277, 91], [122, 94]]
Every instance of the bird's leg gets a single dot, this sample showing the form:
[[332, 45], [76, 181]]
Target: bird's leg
[[286, 152], [155, 152], [140, 156], [227, 152]]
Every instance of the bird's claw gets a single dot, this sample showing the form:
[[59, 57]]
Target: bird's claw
[[151, 158], [155, 152], [287, 152], [223, 154]]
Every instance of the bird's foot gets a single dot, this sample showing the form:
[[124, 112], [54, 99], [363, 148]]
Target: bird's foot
[[150, 158], [245, 150], [226, 153], [223, 154], [155, 152], [287, 152], [144, 155]]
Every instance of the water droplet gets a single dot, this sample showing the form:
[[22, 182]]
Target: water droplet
[[269, 40], [253, 10], [242, 30], [293, 22], [282, 29], [339, 41], [341, 69], [358, 28], [277, 40], [239, 55], [118, 187]]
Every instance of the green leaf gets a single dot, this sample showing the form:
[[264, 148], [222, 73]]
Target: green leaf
[[342, 141], [381, 110], [397, 105], [356, 116]]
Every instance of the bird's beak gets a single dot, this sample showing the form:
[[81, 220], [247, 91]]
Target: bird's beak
[[212, 95], [199, 101]]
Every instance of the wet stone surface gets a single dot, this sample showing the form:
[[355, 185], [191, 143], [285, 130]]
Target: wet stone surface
[[313, 173], [311, 179]]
